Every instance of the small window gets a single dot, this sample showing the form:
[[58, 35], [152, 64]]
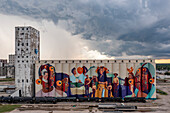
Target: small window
[[108, 61], [22, 44], [27, 28], [22, 80], [101, 61], [59, 61], [18, 61], [66, 61], [27, 49], [136, 60], [52, 62], [122, 61], [93, 61], [115, 61], [18, 49], [18, 56], [23, 61], [27, 61], [86, 61], [27, 56], [18, 28], [151, 60], [143, 60], [22, 28], [18, 80], [27, 80], [129, 61], [22, 33], [27, 44], [18, 44], [73, 61], [80, 61]]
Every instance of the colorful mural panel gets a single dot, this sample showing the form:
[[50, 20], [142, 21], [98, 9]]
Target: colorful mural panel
[[96, 81]]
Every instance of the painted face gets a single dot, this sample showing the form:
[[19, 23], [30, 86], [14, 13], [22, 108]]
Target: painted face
[[74, 72], [115, 74], [141, 79], [47, 78], [145, 76], [101, 71], [65, 84], [130, 76], [52, 76], [44, 78], [62, 85], [138, 79], [85, 71]]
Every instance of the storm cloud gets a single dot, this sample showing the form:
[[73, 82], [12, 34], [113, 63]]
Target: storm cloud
[[114, 27]]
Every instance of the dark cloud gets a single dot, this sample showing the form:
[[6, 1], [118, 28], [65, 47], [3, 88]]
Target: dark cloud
[[134, 27]]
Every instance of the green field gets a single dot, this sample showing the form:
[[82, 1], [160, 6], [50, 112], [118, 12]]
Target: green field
[[7, 108], [161, 92], [163, 67], [7, 79]]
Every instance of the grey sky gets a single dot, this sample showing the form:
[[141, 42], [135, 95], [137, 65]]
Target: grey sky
[[111, 28]]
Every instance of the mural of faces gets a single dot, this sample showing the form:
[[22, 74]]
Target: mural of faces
[[142, 78], [46, 78], [62, 85], [99, 82]]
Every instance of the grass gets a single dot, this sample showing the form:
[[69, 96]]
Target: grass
[[161, 92], [7, 79], [7, 108]]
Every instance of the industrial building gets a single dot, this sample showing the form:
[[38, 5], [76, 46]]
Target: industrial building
[[78, 78], [27, 51]]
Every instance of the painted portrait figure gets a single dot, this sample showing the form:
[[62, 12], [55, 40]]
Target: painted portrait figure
[[115, 84], [62, 86], [102, 81], [46, 79]]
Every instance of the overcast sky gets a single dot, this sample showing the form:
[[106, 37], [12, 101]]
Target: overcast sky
[[90, 28]]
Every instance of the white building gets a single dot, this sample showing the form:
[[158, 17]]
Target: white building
[[27, 46]]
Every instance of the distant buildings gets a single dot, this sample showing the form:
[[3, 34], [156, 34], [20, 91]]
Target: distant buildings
[[3, 61], [12, 59], [3, 69], [7, 69], [27, 51], [11, 66]]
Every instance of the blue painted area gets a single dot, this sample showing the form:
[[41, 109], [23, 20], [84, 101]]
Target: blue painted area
[[153, 89], [36, 51]]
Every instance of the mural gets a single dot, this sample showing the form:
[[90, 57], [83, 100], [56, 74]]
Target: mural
[[96, 81]]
